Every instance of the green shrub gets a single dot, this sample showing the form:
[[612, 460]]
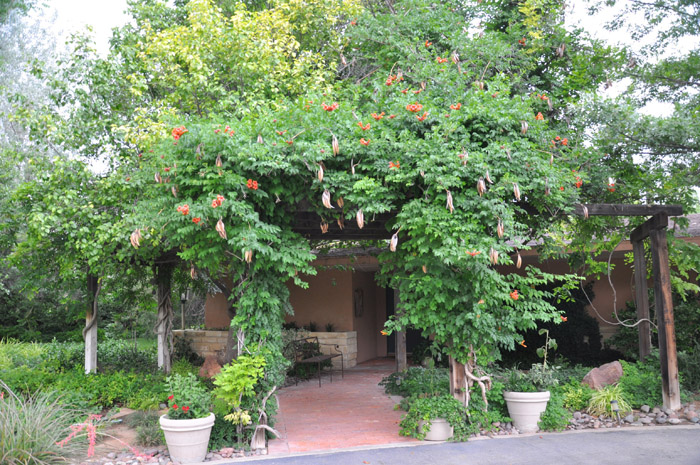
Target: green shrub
[[92, 392], [14, 353], [689, 367], [416, 381], [32, 426], [556, 416], [183, 367], [147, 426], [641, 381], [183, 351], [430, 408], [576, 396], [600, 401]]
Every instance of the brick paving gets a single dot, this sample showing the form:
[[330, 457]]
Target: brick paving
[[349, 412]]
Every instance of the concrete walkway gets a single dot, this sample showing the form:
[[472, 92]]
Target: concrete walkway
[[657, 445], [350, 412]]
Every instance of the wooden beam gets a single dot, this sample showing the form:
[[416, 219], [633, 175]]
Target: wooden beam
[[642, 297], [621, 209], [664, 314], [641, 232]]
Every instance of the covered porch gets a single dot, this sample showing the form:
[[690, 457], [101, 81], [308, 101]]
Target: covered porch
[[350, 412]]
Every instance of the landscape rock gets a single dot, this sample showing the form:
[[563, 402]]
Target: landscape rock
[[645, 408], [646, 420], [674, 421], [660, 420], [610, 373], [629, 418], [210, 368], [694, 420]]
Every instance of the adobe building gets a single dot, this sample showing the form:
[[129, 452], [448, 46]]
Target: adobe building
[[344, 297]]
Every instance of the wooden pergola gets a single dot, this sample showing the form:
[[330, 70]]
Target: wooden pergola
[[308, 224]]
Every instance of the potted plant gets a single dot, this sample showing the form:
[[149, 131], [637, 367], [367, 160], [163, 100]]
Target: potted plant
[[434, 418], [188, 423], [527, 394]]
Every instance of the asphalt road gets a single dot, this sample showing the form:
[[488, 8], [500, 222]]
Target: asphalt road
[[673, 445]]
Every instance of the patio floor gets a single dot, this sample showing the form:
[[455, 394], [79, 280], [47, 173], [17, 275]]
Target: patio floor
[[349, 412]]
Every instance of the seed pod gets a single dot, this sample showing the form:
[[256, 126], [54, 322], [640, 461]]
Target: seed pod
[[480, 85], [500, 229], [493, 256], [450, 205], [341, 223], [561, 49], [360, 219], [343, 60], [135, 238], [174, 191], [425, 269], [326, 199], [248, 255], [488, 178], [193, 272], [340, 202], [399, 75], [551, 159], [336, 148], [218, 161], [158, 178], [422, 173], [518, 261], [324, 227], [455, 58], [221, 229], [481, 186], [585, 211], [320, 173], [524, 127], [260, 139], [508, 154], [422, 85], [516, 191], [549, 104], [546, 187], [394, 242]]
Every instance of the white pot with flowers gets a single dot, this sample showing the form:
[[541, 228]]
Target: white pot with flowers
[[527, 394], [188, 423]]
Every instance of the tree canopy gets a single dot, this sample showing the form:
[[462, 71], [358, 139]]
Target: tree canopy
[[468, 123]]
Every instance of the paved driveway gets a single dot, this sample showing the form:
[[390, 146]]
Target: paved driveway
[[672, 445]]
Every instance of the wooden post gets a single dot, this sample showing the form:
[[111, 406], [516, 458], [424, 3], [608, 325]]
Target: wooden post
[[458, 382], [400, 351], [664, 314], [401, 359], [90, 330], [164, 273], [642, 297]]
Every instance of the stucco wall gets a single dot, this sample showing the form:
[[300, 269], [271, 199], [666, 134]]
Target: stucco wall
[[327, 300], [365, 324]]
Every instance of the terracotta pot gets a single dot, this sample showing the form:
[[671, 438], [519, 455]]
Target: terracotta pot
[[525, 409], [187, 439], [440, 430]]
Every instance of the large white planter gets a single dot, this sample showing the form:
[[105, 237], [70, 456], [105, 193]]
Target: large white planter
[[525, 409], [188, 439], [440, 430]]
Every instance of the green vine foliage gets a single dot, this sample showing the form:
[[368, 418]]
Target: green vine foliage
[[450, 117], [442, 134]]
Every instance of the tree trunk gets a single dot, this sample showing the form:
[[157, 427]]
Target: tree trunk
[[164, 325], [90, 330], [458, 382]]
